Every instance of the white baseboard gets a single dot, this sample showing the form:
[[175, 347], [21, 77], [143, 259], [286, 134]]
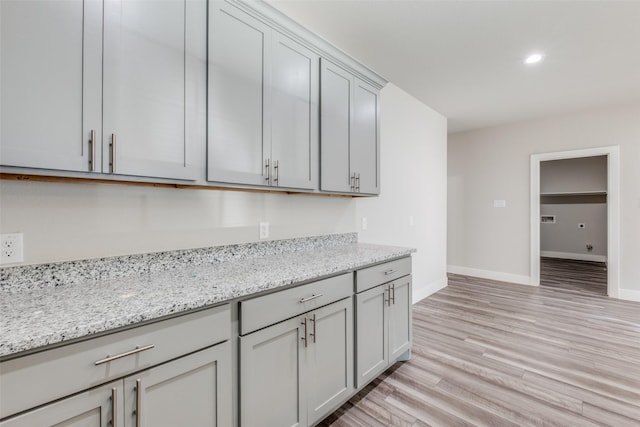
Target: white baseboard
[[488, 274], [570, 255], [429, 289], [629, 294]]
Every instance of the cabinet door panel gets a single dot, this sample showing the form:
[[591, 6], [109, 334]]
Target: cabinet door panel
[[194, 390], [364, 142], [329, 358], [371, 334], [236, 96], [270, 383], [93, 408], [144, 87], [335, 114], [294, 113], [45, 83], [400, 318]]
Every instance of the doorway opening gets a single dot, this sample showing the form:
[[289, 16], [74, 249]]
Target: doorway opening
[[576, 244]]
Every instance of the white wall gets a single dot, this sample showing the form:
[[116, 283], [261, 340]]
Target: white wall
[[66, 221], [413, 146], [493, 163]]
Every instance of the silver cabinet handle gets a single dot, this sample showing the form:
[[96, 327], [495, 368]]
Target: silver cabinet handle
[[358, 182], [267, 168], [92, 151], [387, 300], [304, 338], [114, 407], [310, 298], [313, 319], [125, 354], [352, 180], [138, 401], [388, 272], [393, 294], [276, 172], [113, 153]]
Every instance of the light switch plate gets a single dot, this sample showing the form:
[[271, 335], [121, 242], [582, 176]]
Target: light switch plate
[[499, 203], [264, 230], [365, 224]]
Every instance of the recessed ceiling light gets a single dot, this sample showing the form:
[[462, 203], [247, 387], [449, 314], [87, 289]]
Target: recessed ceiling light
[[533, 58]]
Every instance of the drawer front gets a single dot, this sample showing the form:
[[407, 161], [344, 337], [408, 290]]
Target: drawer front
[[371, 277], [266, 310], [72, 368]]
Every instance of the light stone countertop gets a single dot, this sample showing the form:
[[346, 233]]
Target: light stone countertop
[[43, 315]]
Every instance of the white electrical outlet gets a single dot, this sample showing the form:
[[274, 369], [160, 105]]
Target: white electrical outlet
[[11, 248], [364, 223], [264, 230]]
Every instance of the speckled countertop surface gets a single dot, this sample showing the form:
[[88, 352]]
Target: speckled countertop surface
[[41, 315]]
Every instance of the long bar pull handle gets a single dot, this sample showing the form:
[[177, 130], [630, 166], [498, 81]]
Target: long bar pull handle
[[303, 300], [304, 338], [393, 294], [352, 180], [358, 182], [313, 319], [387, 300], [114, 407], [92, 151], [267, 168], [388, 272], [276, 172], [125, 354], [113, 153], [138, 401]]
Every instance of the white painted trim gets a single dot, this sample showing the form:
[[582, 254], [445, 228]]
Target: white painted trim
[[428, 289], [613, 211], [488, 274], [629, 294], [575, 256]]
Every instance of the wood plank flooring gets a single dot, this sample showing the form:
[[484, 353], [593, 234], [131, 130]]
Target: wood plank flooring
[[488, 353]]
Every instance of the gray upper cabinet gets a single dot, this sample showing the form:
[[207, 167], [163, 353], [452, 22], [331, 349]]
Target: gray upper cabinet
[[105, 87], [154, 66], [263, 101], [349, 132], [50, 80]]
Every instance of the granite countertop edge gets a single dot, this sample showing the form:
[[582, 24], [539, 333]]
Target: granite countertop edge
[[45, 317]]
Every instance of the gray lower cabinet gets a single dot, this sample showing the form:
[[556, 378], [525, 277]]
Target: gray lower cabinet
[[295, 372], [383, 327], [193, 390], [263, 103], [349, 128]]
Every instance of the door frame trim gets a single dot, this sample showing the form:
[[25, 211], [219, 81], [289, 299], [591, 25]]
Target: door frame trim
[[613, 211]]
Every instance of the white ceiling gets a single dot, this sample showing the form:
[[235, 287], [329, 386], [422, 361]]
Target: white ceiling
[[465, 58]]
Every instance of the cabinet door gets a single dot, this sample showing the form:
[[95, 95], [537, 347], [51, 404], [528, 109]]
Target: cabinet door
[[270, 376], [50, 80], [93, 408], [400, 318], [329, 358], [237, 141], [335, 115], [294, 113], [193, 390], [364, 137], [371, 334], [148, 54]]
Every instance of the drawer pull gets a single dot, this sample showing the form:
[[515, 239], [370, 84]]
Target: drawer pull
[[388, 272], [305, 332], [310, 298], [125, 354]]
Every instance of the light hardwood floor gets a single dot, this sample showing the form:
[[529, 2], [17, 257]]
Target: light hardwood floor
[[494, 354]]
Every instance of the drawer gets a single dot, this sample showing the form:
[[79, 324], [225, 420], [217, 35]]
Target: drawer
[[266, 310], [371, 277], [72, 368]]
